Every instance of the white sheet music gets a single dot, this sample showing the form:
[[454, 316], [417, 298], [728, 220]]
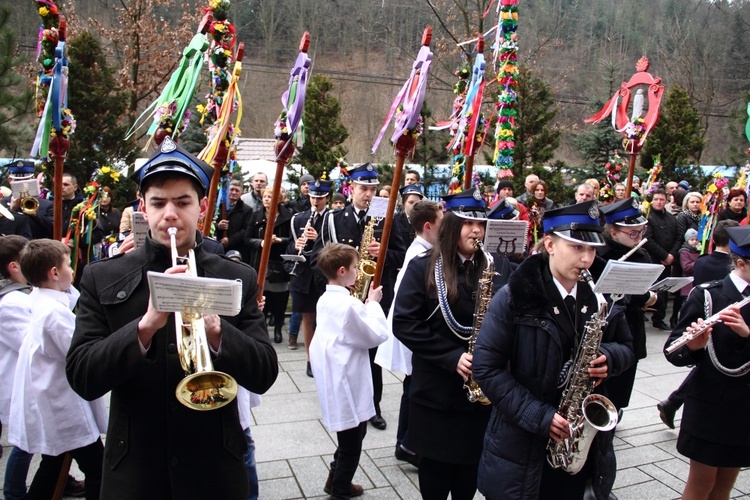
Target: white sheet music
[[506, 236], [181, 293], [671, 284], [139, 229], [627, 278], [21, 189], [378, 207]]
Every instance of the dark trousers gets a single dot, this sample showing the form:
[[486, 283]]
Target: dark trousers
[[346, 460], [377, 380], [89, 460], [403, 414], [438, 479], [559, 485], [660, 307], [276, 306], [679, 299]]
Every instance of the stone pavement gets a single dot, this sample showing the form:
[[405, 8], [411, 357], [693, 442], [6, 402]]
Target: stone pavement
[[293, 448]]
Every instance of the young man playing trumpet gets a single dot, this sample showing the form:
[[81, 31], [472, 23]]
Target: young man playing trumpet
[[156, 447]]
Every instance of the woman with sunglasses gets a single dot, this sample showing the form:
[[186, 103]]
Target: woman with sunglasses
[[624, 230]]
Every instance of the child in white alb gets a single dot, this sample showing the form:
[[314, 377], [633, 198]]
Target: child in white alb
[[46, 416], [346, 329]]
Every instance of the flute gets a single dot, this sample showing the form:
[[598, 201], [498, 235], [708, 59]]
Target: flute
[[700, 329], [633, 250], [293, 272]]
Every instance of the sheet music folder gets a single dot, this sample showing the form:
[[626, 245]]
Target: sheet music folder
[[184, 293], [627, 278]]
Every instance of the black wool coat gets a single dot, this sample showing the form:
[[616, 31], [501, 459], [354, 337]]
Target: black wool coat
[[519, 354], [156, 447]]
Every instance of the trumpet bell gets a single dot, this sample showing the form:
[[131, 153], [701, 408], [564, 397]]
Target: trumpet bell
[[29, 205], [208, 390]]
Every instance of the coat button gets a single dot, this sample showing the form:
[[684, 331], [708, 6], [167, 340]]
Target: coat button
[[122, 294], [121, 444], [172, 348], [544, 323]]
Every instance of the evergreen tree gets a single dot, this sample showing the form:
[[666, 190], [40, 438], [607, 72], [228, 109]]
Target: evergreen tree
[[99, 107], [678, 138], [324, 132], [536, 140], [15, 101]]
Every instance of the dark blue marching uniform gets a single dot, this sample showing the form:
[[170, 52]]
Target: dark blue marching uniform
[[305, 292]]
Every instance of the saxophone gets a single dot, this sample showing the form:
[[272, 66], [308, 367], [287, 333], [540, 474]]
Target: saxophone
[[484, 296], [586, 412], [366, 266]]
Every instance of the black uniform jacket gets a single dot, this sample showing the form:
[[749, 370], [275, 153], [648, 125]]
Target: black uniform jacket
[[255, 235], [239, 225], [40, 223], [714, 401], [711, 267], [525, 339], [156, 447], [304, 279], [347, 231]]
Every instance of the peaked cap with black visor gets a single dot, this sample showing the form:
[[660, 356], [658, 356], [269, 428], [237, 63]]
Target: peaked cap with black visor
[[624, 213], [467, 204], [170, 157], [578, 223]]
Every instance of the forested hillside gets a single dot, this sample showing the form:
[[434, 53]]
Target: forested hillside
[[582, 49]]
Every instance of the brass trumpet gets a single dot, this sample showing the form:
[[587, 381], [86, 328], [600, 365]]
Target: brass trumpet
[[202, 388], [29, 205]]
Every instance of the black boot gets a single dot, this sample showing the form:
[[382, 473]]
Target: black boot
[[277, 334]]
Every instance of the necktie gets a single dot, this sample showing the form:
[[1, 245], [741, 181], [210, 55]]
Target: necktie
[[570, 305], [746, 291], [468, 266], [362, 216]]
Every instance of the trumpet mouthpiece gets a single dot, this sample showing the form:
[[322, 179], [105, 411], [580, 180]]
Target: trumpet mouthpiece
[[172, 231]]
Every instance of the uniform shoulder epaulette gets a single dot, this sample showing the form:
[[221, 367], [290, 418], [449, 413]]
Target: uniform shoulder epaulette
[[423, 254], [710, 284]]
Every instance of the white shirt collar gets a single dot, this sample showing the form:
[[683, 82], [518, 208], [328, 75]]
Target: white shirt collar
[[425, 243], [738, 282], [563, 292]]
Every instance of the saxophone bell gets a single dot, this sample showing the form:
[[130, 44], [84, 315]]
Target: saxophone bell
[[202, 388]]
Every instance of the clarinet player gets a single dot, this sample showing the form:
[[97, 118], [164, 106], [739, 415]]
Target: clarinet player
[[532, 329], [433, 316]]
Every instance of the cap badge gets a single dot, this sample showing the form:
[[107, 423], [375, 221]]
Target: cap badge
[[635, 203], [369, 168], [19, 164], [477, 195], [594, 211], [168, 145], [317, 183]]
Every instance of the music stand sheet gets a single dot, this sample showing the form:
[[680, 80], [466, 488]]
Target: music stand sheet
[[506, 236], [627, 278], [378, 207], [671, 284], [21, 189], [184, 293]]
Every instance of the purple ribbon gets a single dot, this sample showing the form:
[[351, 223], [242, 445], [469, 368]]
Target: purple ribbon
[[296, 107], [411, 97]]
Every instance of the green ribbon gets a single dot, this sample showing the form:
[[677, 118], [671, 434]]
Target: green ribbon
[[181, 85]]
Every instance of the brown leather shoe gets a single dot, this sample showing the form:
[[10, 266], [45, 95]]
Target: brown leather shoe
[[355, 490], [292, 342]]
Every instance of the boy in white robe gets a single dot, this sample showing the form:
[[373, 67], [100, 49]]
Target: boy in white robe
[[46, 416], [346, 329]]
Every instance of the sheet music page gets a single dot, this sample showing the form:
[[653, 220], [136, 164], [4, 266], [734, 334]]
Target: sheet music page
[[378, 207], [180, 293], [139, 229], [506, 236], [671, 284], [627, 278], [25, 188]]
